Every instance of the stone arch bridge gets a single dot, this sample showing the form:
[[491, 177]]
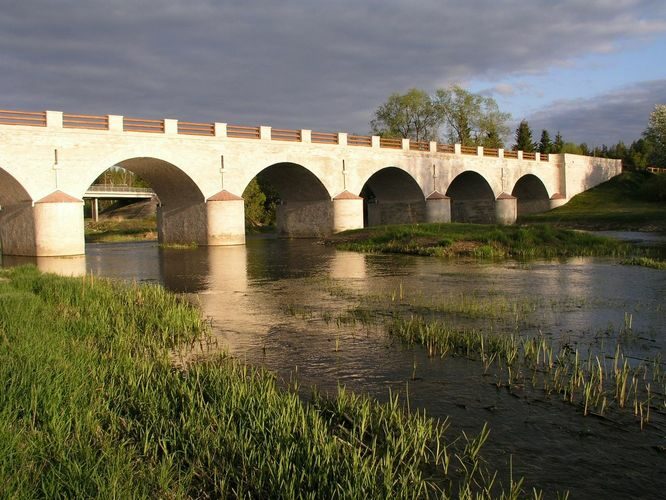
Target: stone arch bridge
[[328, 182]]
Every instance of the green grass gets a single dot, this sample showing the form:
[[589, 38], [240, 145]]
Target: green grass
[[476, 240], [93, 405], [630, 201], [645, 262], [106, 231]]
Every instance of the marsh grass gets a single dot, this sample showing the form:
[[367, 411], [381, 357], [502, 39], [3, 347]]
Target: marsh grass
[[645, 262], [92, 406], [479, 241], [583, 378]]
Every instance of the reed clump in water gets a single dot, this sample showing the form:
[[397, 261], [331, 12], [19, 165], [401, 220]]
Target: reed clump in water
[[92, 406], [587, 380]]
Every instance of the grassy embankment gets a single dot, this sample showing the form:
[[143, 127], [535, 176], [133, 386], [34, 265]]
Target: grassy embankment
[[477, 240], [92, 406], [116, 230], [632, 201]]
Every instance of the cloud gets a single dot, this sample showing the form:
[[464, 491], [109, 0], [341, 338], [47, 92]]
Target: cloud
[[605, 119], [303, 63]]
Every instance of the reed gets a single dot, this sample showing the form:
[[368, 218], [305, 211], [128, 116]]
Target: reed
[[580, 379], [93, 406]]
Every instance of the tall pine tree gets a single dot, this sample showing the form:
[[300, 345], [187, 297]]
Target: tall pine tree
[[559, 143], [524, 138], [545, 144]]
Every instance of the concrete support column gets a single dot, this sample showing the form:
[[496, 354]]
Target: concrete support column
[[506, 209], [182, 224], [94, 209], [51, 227], [347, 212], [438, 207], [226, 219]]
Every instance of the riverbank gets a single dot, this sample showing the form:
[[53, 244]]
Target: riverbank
[[94, 406], [479, 241], [632, 201], [116, 230]]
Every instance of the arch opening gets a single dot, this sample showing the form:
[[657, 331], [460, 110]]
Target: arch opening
[[472, 199], [17, 223], [290, 198], [175, 206], [531, 194], [392, 196]]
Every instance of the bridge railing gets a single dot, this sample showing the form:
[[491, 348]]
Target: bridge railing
[[193, 128], [359, 140], [93, 122], [143, 125], [283, 134], [390, 143], [419, 146], [97, 188], [105, 122], [243, 132], [32, 118], [324, 138]]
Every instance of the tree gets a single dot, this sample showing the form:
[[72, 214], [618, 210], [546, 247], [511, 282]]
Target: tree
[[559, 143], [471, 119], [411, 115], [524, 138], [545, 144], [655, 134]]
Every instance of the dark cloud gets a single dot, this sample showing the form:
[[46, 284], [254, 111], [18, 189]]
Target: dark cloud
[[310, 64], [606, 119]]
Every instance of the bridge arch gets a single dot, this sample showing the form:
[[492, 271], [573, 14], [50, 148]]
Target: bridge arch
[[392, 196], [304, 209], [532, 195], [181, 212], [472, 198]]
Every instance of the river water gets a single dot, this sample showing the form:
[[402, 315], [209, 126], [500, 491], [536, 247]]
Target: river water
[[288, 305]]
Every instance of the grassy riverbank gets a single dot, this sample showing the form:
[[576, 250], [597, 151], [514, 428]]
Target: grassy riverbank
[[93, 406], [476, 240], [115, 230], [632, 201]]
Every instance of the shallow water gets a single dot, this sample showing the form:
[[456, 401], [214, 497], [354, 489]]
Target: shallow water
[[275, 303]]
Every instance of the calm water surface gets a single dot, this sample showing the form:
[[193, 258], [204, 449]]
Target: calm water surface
[[274, 303]]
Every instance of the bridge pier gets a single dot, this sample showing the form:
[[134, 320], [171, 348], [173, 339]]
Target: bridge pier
[[304, 219], [49, 227], [225, 214], [438, 207], [506, 209], [347, 212], [182, 224]]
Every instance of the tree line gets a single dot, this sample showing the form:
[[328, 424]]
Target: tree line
[[456, 115]]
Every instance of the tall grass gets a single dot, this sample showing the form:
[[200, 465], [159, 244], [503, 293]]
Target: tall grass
[[476, 240], [586, 379], [91, 405]]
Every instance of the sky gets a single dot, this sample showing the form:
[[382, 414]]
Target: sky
[[591, 69]]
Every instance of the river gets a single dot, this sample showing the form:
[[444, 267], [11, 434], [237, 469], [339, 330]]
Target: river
[[288, 305]]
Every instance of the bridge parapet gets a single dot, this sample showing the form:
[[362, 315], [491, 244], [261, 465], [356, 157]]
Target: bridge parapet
[[168, 126]]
